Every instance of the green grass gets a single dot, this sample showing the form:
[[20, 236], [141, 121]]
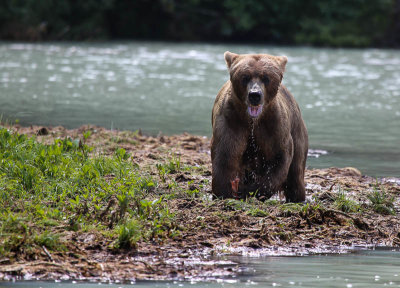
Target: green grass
[[171, 166], [381, 201], [343, 203], [128, 234], [64, 184], [252, 206]]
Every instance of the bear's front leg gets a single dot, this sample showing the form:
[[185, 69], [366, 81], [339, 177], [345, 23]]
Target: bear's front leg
[[225, 180], [226, 155]]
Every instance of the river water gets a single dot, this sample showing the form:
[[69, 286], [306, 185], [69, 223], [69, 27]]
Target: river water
[[350, 99], [364, 268]]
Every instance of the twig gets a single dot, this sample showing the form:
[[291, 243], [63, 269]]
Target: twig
[[48, 253], [341, 213]]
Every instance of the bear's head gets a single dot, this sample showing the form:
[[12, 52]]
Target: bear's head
[[255, 78]]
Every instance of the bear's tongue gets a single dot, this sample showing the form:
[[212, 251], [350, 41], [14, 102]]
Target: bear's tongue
[[254, 111]]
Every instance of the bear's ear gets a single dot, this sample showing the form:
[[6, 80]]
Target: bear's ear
[[229, 58], [282, 60]]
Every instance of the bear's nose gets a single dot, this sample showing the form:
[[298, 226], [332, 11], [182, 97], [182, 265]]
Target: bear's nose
[[255, 97]]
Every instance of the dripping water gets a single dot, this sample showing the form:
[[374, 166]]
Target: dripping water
[[254, 148]]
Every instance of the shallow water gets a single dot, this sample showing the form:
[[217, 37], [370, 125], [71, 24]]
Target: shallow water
[[372, 268], [350, 99]]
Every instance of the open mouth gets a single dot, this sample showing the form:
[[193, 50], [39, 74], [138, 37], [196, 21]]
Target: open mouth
[[254, 111]]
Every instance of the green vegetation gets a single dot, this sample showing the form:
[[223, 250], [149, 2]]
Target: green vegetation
[[356, 23], [289, 209], [46, 190], [171, 167], [251, 206], [381, 201], [343, 203], [128, 234]]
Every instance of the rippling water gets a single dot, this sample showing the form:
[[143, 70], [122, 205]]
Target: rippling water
[[350, 99]]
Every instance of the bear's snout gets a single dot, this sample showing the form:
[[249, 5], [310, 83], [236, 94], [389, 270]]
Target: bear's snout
[[254, 102], [255, 97]]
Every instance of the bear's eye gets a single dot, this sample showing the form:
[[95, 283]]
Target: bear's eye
[[265, 79], [245, 80]]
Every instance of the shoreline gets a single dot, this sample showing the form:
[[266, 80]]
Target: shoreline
[[339, 213]]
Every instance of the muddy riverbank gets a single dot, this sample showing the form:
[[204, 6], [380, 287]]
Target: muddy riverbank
[[344, 209]]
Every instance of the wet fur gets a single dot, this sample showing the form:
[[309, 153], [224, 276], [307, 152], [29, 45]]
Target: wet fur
[[268, 154]]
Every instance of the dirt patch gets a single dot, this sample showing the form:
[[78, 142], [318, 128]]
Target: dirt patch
[[343, 209]]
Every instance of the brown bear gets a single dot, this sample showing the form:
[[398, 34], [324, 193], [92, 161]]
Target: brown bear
[[260, 142]]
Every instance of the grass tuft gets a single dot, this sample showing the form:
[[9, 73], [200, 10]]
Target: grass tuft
[[129, 234], [381, 201], [343, 203]]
